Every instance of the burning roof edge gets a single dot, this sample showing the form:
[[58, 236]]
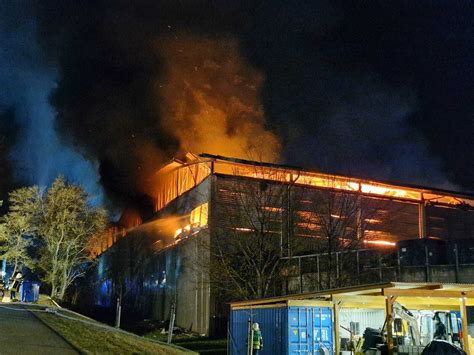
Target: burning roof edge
[[299, 169]]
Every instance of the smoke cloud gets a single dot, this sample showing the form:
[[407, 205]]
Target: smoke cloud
[[129, 84], [211, 99], [366, 131], [8, 133], [139, 87], [31, 146]]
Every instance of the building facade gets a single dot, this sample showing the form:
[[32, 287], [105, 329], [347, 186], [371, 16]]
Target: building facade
[[323, 230]]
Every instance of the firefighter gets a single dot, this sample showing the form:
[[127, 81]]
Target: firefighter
[[257, 341], [15, 286], [440, 329]]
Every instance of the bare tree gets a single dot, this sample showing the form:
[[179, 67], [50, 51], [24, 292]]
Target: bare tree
[[340, 220], [248, 233], [333, 220]]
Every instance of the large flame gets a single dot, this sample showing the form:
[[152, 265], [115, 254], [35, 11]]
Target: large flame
[[210, 99]]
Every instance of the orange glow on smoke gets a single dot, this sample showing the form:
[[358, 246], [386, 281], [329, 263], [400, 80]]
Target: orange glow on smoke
[[210, 99], [130, 218]]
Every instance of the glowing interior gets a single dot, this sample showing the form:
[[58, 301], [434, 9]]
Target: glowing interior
[[197, 220], [177, 178]]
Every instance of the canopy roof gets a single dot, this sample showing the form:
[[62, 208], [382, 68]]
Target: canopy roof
[[411, 295]]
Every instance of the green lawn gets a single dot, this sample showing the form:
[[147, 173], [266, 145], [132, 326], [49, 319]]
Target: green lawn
[[93, 339], [45, 300]]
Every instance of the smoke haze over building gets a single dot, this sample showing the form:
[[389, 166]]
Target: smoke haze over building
[[118, 88]]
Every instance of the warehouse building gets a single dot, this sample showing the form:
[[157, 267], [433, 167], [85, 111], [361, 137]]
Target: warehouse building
[[328, 231]]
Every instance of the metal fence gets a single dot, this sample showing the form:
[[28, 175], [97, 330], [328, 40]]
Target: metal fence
[[357, 267]]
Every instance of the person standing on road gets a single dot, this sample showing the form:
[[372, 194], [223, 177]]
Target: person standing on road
[[257, 341]]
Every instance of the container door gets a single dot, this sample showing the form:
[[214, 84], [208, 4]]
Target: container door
[[270, 322], [322, 329], [454, 328], [300, 324]]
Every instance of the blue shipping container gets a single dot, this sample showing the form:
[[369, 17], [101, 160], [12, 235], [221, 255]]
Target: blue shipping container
[[285, 329]]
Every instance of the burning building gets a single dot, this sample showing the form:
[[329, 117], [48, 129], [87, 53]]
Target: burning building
[[276, 229]]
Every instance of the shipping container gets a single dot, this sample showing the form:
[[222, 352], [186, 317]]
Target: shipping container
[[286, 329], [29, 291]]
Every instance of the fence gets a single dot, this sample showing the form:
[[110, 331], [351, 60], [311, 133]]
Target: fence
[[365, 266]]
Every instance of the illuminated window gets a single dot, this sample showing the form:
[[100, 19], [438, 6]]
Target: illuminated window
[[199, 215]]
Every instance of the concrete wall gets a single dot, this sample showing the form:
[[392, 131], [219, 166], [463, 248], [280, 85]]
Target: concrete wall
[[186, 284], [150, 278]]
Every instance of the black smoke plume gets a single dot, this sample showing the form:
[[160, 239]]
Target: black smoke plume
[[329, 92]]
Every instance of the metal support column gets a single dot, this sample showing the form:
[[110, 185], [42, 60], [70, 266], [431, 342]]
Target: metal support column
[[289, 220], [456, 262], [300, 275], [427, 264], [380, 267], [319, 272], [422, 219], [360, 222], [389, 322], [465, 331], [358, 267], [337, 340], [399, 266]]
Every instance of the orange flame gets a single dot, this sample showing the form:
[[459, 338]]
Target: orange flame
[[210, 99]]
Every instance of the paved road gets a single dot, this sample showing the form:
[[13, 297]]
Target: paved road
[[22, 333]]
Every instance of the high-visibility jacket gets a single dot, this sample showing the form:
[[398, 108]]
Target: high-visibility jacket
[[257, 340]]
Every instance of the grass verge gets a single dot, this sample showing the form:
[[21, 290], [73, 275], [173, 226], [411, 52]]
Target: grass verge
[[90, 339], [202, 345], [45, 300]]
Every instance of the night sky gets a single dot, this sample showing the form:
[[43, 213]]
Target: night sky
[[378, 89]]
